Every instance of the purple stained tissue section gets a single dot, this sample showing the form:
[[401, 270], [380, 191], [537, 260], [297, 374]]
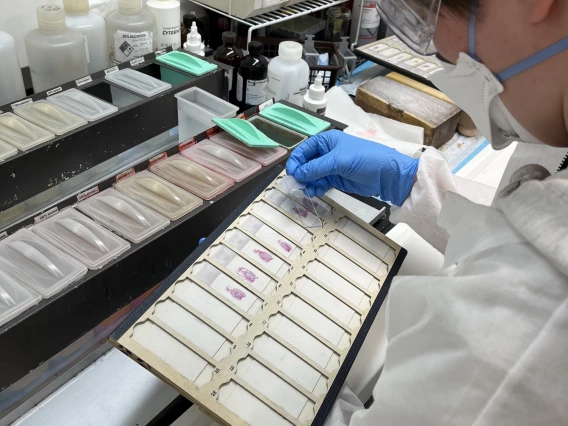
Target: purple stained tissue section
[[308, 203], [301, 212], [264, 256], [237, 293], [246, 274], [286, 246]]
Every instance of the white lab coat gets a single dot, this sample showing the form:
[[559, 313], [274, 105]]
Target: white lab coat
[[485, 341]]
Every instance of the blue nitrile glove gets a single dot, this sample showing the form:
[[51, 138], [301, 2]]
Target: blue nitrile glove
[[337, 160]]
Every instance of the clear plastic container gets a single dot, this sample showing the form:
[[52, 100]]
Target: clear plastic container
[[138, 82], [264, 156], [222, 160], [79, 236], [6, 151], [192, 177], [14, 298], [197, 109], [21, 133], [160, 195], [34, 263], [12, 83], [50, 117], [83, 104], [123, 215]]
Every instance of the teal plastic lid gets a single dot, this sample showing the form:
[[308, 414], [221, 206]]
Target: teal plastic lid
[[187, 63], [245, 132], [295, 119]]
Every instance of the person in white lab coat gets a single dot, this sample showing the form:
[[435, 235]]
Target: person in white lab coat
[[483, 341]]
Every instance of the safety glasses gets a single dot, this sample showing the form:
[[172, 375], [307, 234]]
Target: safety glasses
[[413, 21]]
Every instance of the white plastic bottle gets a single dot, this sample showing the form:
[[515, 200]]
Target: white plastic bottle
[[315, 99], [11, 80], [193, 43], [168, 22], [288, 74], [131, 31], [56, 54], [92, 26]]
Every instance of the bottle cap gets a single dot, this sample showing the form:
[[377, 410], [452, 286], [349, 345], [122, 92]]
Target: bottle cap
[[255, 47], [76, 7], [317, 90], [290, 50], [229, 37], [129, 7], [51, 18], [193, 43]]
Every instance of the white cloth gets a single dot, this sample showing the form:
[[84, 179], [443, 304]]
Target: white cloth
[[484, 341]]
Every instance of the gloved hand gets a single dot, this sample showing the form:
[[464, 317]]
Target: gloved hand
[[337, 160]]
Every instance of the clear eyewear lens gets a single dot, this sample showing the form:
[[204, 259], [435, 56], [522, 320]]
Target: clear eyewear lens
[[413, 21]]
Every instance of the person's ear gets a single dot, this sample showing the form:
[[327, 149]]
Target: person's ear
[[540, 10]]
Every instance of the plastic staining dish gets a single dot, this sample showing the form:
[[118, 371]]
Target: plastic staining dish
[[138, 82], [160, 195], [187, 63], [192, 177], [264, 156], [246, 132], [295, 119], [21, 133], [14, 298], [50, 117], [6, 150], [222, 160], [123, 215], [285, 137], [83, 104], [34, 263], [79, 236]]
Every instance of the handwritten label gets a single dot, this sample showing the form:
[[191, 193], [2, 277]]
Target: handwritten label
[[83, 80], [266, 104], [111, 70], [54, 91], [21, 103], [3, 235], [125, 174], [137, 61], [88, 193], [158, 158], [186, 144], [45, 215]]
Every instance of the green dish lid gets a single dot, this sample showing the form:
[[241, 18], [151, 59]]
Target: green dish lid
[[294, 119], [245, 132], [185, 62]]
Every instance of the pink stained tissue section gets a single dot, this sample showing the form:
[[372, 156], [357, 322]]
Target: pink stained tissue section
[[246, 274], [237, 293], [309, 203], [264, 256], [301, 212], [286, 246]]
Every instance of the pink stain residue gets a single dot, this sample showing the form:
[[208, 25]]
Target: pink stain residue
[[246, 274], [237, 293], [264, 256], [286, 246], [301, 212], [309, 202]]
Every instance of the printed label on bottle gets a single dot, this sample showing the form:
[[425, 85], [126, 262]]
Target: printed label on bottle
[[229, 75], [239, 88], [86, 48], [370, 17], [297, 97], [274, 85], [256, 93], [169, 35], [131, 45]]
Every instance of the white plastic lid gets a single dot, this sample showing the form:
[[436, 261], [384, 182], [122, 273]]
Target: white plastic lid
[[138, 82], [34, 263], [129, 6], [76, 7], [50, 117], [123, 215], [51, 18], [82, 238], [317, 90], [264, 156], [158, 194], [192, 177], [6, 151], [193, 43], [21, 133], [14, 298], [222, 160], [290, 50], [83, 104]]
